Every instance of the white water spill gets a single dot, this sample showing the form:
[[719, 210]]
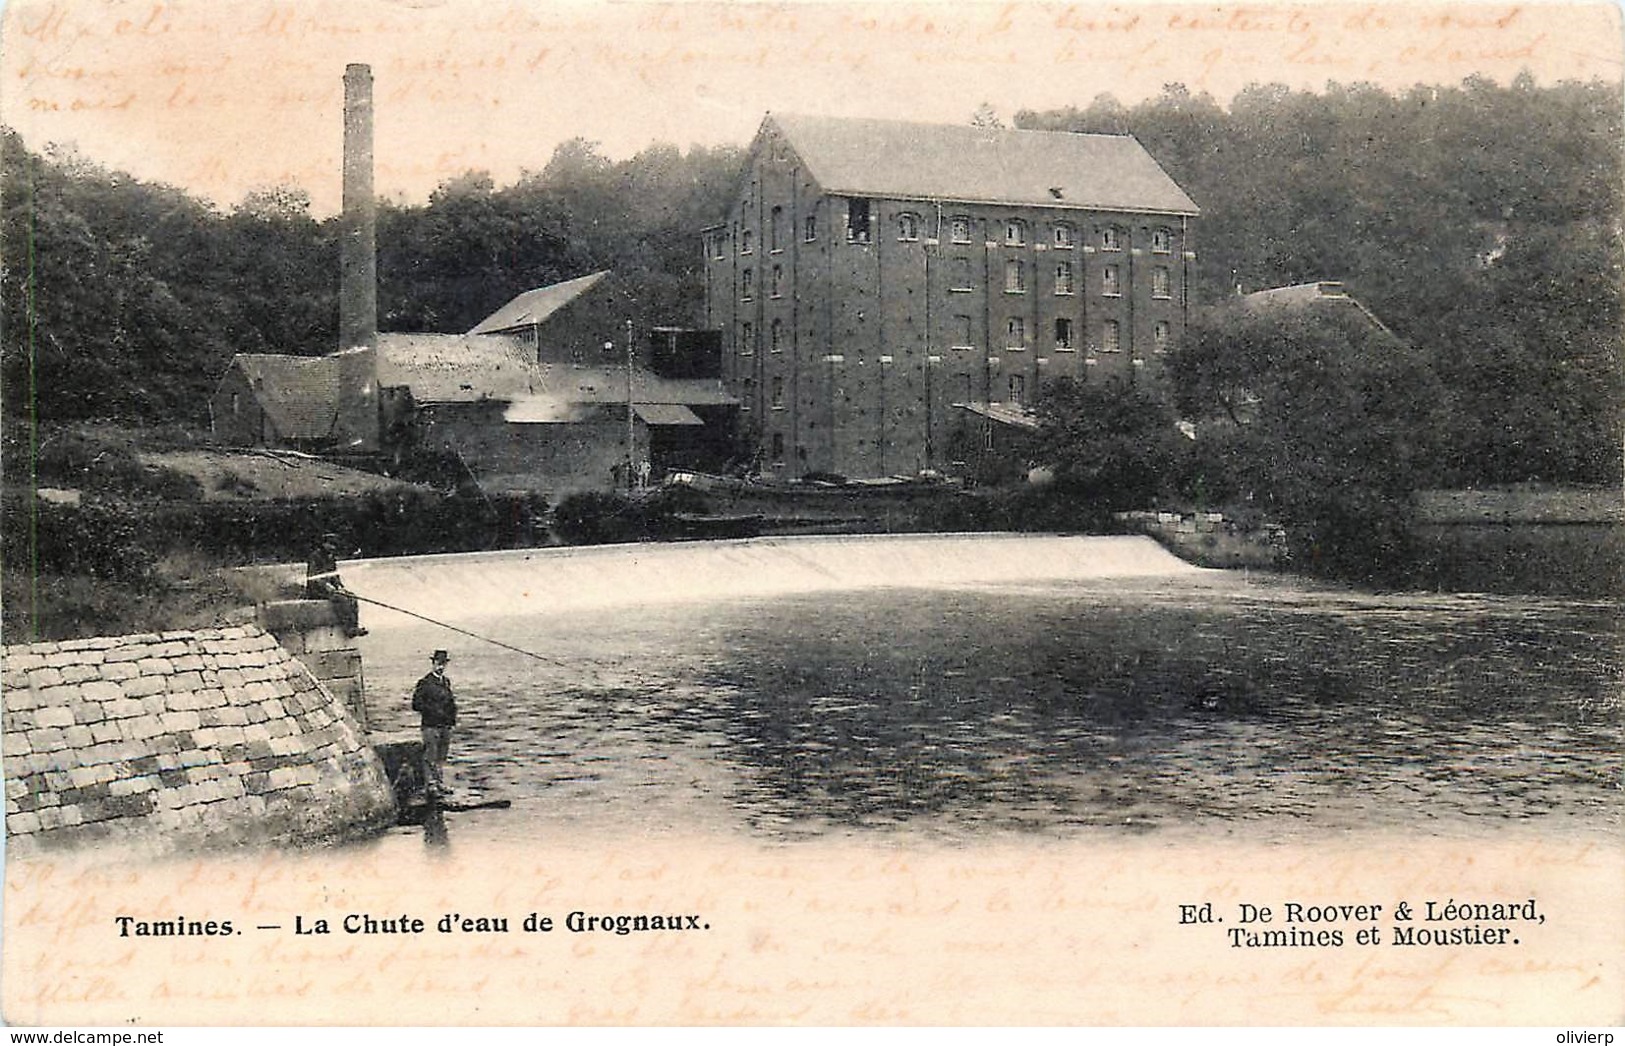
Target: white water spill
[[459, 587], [959, 687]]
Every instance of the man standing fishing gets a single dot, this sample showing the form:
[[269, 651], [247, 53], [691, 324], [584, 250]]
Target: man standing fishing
[[434, 700]]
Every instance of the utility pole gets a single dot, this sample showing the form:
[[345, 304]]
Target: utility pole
[[631, 428]]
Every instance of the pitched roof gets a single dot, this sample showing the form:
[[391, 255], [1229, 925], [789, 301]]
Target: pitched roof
[[1304, 295], [970, 164], [456, 368], [536, 305], [299, 394], [564, 391]]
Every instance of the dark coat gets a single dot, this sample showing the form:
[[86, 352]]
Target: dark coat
[[433, 699]]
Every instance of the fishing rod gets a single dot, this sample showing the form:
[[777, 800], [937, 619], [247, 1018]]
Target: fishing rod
[[466, 632]]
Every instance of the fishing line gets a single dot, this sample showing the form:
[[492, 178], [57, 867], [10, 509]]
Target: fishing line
[[474, 635]]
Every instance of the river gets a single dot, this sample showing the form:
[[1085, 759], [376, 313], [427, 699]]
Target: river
[[786, 698]]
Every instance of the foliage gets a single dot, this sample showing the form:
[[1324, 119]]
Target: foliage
[[1323, 420], [1112, 446], [1482, 222]]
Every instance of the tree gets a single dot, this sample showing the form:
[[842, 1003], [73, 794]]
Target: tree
[[1324, 420], [1112, 446]]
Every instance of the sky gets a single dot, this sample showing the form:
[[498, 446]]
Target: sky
[[221, 97]]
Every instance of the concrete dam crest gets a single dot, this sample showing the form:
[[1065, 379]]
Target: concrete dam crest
[[546, 581]]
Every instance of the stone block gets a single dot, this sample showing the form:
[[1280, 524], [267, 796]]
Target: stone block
[[144, 727], [124, 654], [103, 689], [16, 745], [287, 745], [13, 679], [169, 649], [124, 708], [283, 777], [157, 704], [80, 673], [279, 727], [230, 678], [78, 737], [104, 731], [209, 697], [155, 666], [47, 741], [24, 662], [61, 658], [179, 721], [294, 615], [188, 662], [57, 715], [325, 639], [144, 686], [40, 678], [22, 824], [334, 664], [185, 682]]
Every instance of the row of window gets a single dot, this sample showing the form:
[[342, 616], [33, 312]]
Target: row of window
[[1016, 383], [962, 330], [1063, 235], [1015, 279]]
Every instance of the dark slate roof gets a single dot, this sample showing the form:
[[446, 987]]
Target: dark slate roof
[[969, 164], [299, 394], [457, 368], [535, 306]]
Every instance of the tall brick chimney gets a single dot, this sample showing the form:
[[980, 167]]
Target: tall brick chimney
[[358, 259]]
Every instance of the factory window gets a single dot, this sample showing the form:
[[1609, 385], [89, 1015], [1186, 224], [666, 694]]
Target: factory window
[[747, 284], [1015, 277], [1015, 333], [777, 287], [961, 331], [1015, 233], [1063, 277], [1063, 334], [1064, 236], [1111, 238], [810, 228], [1109, 285], [719, 244], [1160, 334], [746, 241], [1111, 337], [747, 339], [908, 227], [1018, 390], [776, 336], [959, 279], [857, 220], [1159, 282], [775, 230], [959, 230], [236, 404], [778, 395], [747, 398], [778, 448], [1162, 240]]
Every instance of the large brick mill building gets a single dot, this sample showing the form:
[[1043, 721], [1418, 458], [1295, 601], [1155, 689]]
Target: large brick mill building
[[888, 292]]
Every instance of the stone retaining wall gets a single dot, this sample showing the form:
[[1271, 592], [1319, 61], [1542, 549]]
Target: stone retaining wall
[[180, 740]]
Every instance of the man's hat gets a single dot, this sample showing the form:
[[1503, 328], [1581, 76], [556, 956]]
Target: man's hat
[[439, 657]]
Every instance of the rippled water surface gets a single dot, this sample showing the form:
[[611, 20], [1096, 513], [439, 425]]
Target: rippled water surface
[[1215, 704]]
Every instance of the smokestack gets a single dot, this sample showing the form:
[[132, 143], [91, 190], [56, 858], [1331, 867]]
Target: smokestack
[[358, 260]]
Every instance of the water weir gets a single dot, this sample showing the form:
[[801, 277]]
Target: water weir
[[544, 581]]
